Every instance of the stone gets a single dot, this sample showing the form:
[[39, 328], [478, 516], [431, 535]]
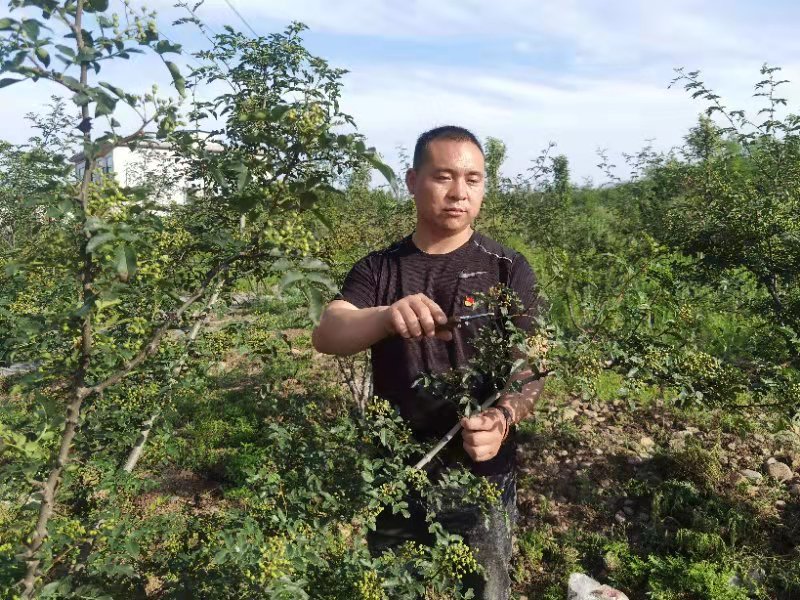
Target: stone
[[569, 414], [677, 444], [620, 517], [794, 490], [780, 503], [583, 587], [771, 460], [647, 442], [780, 471], [752, 476], [19, 369]]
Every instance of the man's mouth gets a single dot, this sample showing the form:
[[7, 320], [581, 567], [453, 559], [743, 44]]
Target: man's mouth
[[454, 211]]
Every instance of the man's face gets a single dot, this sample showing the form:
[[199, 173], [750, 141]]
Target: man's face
[[448, 187]]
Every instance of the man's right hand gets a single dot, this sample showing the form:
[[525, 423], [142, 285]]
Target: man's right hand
[[416, 316]]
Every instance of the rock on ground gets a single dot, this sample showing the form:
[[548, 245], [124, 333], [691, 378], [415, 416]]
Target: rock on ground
[[583, 587], [780, 471], [19, 369]]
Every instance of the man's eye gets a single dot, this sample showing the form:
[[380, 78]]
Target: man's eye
[[442, 178], [474, 181]]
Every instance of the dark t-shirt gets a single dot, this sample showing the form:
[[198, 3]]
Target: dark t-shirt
[[383, 277]]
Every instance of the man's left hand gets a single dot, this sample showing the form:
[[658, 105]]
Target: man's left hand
[[483, 434]]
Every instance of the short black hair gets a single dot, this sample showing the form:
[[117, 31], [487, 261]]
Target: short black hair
[[445, 132]]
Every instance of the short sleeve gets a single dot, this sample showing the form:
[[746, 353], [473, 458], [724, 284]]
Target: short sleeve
[[523, 281], [359, 287]]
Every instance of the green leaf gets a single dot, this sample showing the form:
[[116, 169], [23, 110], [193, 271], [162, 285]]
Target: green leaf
[[66, 50], [322, 280], [375, 160], [72, 83], [12, 268], [518, 365], [43, 56], [97, 6], [6, 24], [95, 224], [132, 548], [105, 105], [177, 78], [86, 55], [279, 111], [314, 304], [6, 81], [322, 218], [31, 27], [314, 264], [243, 179], [282, 264], [117, 91], [308, 199], [289, 278], [81, 99], [97, 240], [164, 47], [125, 262]]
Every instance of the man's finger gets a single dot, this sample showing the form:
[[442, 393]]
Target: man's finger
[[411, 320], [436, 311], [445, 335], [485, 421], [399, 324], [424, 316], [480, 438]]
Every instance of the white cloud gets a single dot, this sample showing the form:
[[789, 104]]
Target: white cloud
[[605, 88], [598, 32], [580, 115]]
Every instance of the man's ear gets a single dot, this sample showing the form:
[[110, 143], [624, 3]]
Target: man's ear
[[411, 181]]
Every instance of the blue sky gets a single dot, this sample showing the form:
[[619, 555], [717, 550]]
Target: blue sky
[[584, 74]]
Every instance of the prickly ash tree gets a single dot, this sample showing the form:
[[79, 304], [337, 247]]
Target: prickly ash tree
[[295, 158]]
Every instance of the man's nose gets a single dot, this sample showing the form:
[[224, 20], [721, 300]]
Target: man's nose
[[458, 190]]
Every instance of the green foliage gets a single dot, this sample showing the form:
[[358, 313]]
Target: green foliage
[[678, 285]]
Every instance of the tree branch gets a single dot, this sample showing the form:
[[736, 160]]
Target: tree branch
[[457, 427]]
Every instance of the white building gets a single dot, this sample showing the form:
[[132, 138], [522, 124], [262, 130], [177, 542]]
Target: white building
[[152, 164]]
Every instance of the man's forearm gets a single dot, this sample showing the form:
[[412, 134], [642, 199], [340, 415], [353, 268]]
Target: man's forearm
[[343, 331], [522, 403]]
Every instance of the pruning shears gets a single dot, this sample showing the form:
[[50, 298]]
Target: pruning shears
[[458, 321]]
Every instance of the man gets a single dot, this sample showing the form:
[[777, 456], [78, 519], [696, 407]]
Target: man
[[396, 300]]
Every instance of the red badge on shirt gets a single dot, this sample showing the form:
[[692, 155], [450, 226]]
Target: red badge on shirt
[[469, 301]]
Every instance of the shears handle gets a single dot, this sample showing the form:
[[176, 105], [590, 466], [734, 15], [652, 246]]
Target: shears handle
[[452, 323]]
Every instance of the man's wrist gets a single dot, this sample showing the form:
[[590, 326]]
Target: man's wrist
[[508, 417]]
